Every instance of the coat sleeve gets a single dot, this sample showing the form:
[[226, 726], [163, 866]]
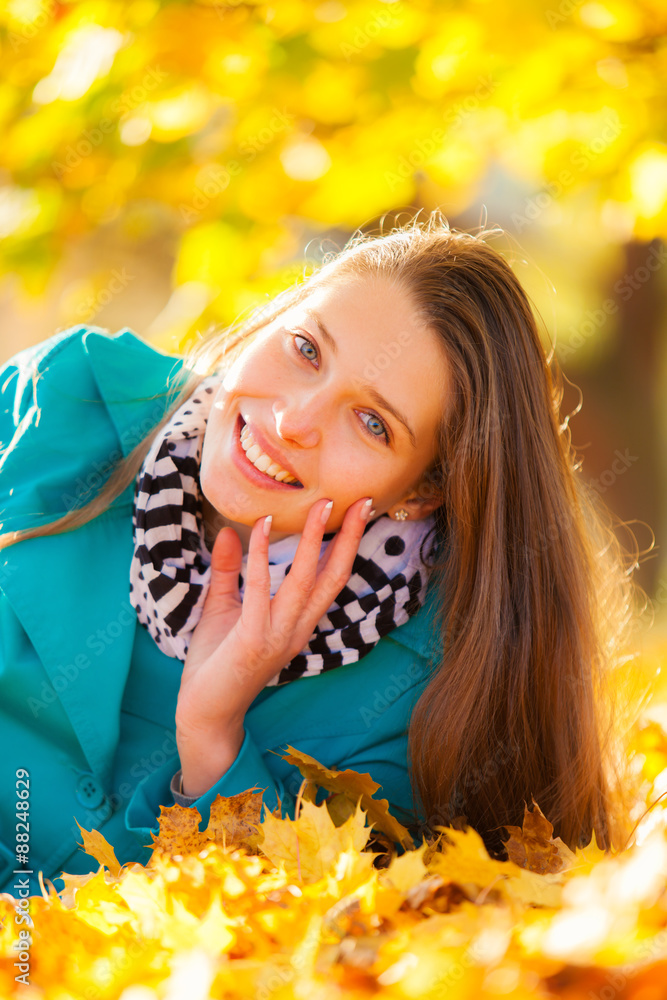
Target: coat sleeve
[[380, 751], [247, 771]]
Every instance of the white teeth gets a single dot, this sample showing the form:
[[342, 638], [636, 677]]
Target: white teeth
[[261, 460]]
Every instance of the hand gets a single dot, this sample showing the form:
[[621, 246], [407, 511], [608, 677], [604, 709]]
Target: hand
[[238, 646]]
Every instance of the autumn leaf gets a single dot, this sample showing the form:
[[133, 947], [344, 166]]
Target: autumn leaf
[[234, 820], [586, 858], [533, 846], [298, 908], [356, 787], [466, 861], [179, 832], [407, 870], [99, 848], [310, 845]]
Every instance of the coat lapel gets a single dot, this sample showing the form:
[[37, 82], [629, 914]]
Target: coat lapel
[[70, 591]]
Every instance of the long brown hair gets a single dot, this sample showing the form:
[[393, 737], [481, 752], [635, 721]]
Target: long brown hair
[[536, 598]]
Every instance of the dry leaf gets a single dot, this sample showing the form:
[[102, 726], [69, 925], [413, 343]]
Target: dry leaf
[[534, 847], [99, 848], [179, 832], [234, 820], [354, 786]]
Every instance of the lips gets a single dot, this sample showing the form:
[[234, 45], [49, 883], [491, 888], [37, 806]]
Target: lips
[[250, 471]]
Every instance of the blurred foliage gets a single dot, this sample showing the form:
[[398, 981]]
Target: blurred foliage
[[242, 130], [322, 906]]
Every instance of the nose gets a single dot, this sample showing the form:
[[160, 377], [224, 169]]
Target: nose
[[300, 421]]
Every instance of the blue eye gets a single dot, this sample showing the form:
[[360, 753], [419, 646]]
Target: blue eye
[[378, 423], [308, 343], [382, 430]]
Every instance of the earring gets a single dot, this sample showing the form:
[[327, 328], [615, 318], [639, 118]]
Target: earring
[[401, 514]]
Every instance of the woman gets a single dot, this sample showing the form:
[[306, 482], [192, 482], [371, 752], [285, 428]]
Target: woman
[[357, 529]]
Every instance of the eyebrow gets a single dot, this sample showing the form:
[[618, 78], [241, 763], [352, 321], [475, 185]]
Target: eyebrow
[[372, 391]]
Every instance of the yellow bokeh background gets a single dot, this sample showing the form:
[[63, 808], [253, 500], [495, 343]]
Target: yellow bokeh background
[[166, 166]]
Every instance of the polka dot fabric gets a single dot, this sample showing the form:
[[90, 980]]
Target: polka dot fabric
[[170, 571]]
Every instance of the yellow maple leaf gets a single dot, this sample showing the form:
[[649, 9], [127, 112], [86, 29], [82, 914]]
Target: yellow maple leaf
[[310, 845], [99, 848], [355, 786], [179, 832], [467, 862], [586, 858], [235, 819], [406, 871]]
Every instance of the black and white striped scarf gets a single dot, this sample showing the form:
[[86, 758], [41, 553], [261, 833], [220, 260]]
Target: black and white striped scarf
[[170, 569]]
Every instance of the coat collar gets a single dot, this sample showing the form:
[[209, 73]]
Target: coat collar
[[127, 370], [70, 591]]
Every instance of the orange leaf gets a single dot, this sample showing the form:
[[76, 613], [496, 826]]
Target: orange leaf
[[234, 820], [355, 786], [99, 848], [533, 847], [179, 831]]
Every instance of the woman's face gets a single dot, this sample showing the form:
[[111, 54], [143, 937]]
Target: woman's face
[[312, 404]]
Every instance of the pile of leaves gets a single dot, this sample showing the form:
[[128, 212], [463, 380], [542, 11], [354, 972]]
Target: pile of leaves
[[278, 908]]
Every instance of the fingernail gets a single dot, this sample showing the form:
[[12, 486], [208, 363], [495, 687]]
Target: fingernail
[[266, 527], [326, 511], [366, 511]]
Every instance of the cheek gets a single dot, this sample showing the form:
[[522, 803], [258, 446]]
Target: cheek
[[352, 470], [256, 374]]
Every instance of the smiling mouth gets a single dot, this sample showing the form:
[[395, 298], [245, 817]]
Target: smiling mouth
[[266, 466]]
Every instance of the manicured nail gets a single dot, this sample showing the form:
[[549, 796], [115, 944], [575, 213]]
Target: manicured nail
[[326, 511], [266, 527], [366, 511]]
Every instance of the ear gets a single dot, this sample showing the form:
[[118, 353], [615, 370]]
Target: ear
[[420, 501], [419, 507]]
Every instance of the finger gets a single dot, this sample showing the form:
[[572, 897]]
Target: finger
[[294, 594], [335, 573], [226, 562], [257, 595], [315, 587]]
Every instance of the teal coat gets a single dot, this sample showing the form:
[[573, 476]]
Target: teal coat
[[87, 699]]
